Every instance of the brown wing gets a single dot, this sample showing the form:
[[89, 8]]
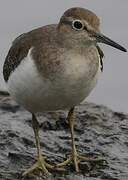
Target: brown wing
[[101, 57], [21, 46], [17, 52]]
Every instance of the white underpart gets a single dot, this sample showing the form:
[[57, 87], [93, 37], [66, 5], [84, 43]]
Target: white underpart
[[38, 94]]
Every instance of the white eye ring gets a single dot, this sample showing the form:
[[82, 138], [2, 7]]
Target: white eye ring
[[77, 25]]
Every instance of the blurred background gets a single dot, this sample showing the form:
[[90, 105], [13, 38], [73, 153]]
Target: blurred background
[[17, 17]]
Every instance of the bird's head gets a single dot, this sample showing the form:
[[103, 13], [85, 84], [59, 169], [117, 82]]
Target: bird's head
[[81, 26]]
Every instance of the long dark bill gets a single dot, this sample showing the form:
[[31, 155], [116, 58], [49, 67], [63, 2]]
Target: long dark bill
[[103, 39]]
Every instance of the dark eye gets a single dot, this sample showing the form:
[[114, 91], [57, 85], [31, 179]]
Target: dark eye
[[77, 25]]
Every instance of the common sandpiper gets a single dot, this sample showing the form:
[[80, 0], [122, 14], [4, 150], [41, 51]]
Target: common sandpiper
[[55, 67]]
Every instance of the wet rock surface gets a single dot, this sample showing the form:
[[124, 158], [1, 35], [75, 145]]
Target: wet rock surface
[[99, 132]]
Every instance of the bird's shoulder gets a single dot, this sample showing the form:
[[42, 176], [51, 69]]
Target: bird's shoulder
[[23, 43]]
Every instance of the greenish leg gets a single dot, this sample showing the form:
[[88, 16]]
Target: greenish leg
[[40, 164], [71, 119], [75, 158]]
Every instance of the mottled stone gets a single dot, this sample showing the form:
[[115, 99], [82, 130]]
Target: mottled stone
[[99, 132]]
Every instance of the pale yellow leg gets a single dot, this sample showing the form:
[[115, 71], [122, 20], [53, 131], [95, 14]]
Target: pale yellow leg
[[40, 164], [75, 158]]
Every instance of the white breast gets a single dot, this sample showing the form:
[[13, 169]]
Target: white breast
[[30, 89]]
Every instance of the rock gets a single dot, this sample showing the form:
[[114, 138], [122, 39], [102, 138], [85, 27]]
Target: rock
[[99, 131]]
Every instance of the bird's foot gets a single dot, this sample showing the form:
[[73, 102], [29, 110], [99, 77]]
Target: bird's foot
[[75, 159], [42, 166], [39, 165]]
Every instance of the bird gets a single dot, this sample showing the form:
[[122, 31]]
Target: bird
[[55, 67]]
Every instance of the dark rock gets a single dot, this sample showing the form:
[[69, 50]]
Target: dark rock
[[100, 132]]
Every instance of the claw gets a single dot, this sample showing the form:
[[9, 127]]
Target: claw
[[78, 159], [39, 165]]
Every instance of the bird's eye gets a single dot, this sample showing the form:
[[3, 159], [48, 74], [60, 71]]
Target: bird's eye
[[77, 25]]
